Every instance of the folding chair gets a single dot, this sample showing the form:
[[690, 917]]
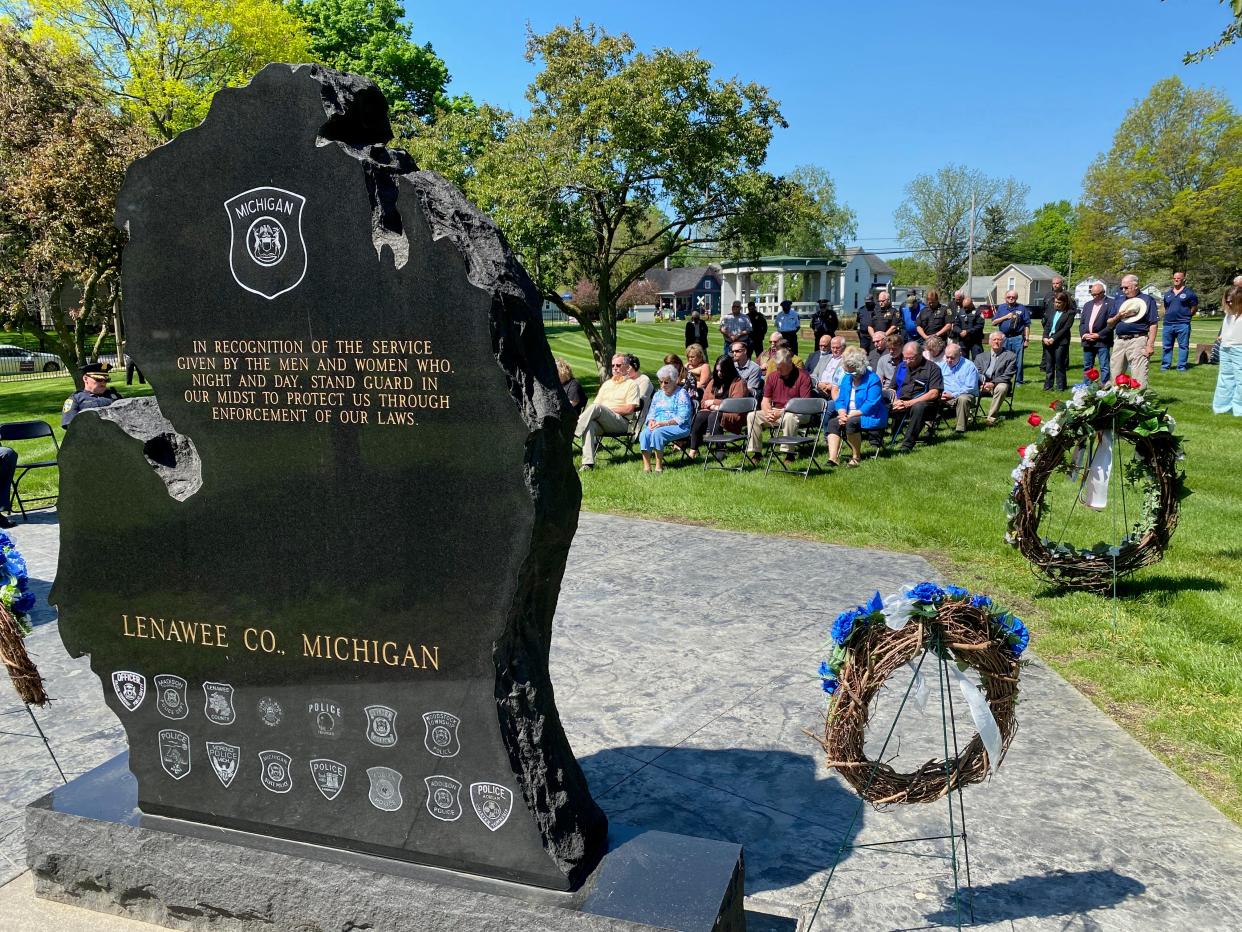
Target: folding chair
[[618, 445], [803, 407], [17, 432], [985, 401], [719, 444]]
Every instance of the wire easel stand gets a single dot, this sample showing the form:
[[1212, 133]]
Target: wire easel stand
[[959, 863], [40, 736]]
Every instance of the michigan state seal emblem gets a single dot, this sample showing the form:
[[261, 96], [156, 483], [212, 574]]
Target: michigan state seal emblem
[[267, 253], [130, 688], [274, 771], [381, 725], [441, 736], [170, 696], [385, 792], [443, 800]]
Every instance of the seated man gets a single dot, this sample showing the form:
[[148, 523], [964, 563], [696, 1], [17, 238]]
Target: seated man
[[823, 348], [8, 468], [616, 400], [829, 370], [997, 368], [788, 381], [884, 362], [747, 371], [919, 392], [766, 360], [96, 392], [961, 385]]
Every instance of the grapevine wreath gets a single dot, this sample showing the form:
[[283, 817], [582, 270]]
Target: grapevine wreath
[[1132, 414], [871, 641]]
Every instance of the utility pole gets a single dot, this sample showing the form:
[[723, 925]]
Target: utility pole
[[970, 251]]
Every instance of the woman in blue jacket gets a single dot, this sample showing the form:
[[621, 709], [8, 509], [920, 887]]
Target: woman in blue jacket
[[859, 406]]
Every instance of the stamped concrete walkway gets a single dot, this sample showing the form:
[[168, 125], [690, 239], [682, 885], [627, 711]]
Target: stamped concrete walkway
[[685, 680]]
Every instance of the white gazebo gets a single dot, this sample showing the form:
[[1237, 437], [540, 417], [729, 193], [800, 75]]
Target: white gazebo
[[824, 274]]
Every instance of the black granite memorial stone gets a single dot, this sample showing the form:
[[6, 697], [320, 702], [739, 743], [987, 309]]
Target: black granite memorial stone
[[317, 572]]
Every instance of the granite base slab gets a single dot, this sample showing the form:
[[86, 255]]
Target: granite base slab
[[88, 845]]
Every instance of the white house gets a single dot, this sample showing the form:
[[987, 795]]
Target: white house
[[864, 273]]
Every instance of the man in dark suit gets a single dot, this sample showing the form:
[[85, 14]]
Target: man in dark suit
[[1093, 329], [968, 328], [696, 331], [1058, 326], [997, 367]]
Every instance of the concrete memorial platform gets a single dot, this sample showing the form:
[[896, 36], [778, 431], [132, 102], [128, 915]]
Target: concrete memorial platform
[[685, 679]]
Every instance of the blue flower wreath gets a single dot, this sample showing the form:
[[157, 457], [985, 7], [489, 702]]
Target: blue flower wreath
[[15, 583], [921, 599]]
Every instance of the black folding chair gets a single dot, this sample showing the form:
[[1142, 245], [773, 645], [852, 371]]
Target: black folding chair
[[720, 443], [618, 445], [793, 444], [984, 402], [18, 432]]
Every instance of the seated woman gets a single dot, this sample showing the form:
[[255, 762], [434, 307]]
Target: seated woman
[[573, 389], [668, 418], [698, 372], [859, 406], [724, 383]]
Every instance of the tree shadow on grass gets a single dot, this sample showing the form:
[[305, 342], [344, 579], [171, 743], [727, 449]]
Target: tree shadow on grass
[[1056, 893], [1163, 584]]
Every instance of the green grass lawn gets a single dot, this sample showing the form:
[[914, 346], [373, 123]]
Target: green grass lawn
[[1165, 659]]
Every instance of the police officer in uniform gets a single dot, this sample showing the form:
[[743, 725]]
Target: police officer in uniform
[[96, 392]]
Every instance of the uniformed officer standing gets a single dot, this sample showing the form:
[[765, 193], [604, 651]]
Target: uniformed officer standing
[[96, 392]]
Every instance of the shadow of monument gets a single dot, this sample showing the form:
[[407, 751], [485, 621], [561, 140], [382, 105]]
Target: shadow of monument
[[1056, 893], [789, 822]]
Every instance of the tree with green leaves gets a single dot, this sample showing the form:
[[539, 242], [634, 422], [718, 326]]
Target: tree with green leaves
[[993, 242], [935, 216], [1047, 238], [63, 155], [909, 270], [1230, 34], [1168, 193], [615, 138], [370, 37], [164, 59]]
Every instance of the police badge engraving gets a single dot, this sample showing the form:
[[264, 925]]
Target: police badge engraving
[[130, 688], [267, 253], [381, 725], [270, 712], [218, 703], [174, 752], [170, 696], [224, 759], [274, 771], [325, 718], [329, 777], [385, 792], [441, 738], [492, 803], [443, 800]]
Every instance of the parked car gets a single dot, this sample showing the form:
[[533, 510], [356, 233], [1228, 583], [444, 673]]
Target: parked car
[[14, 360]]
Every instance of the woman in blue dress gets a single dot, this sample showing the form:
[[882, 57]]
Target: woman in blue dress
[[668, 418], [859, 407]]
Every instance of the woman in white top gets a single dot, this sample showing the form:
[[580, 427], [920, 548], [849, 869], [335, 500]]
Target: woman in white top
[[1228, 397]]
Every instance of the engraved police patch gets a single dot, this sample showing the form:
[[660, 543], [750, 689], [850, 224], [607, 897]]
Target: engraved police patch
[[385, 792], [492, 803], [325, 718], [130, 688], [274, 771], [174, 752], [224, 760], [441, 737], [267, 253], [329, 776], [170, 696], [270, 712], [443, 801], [381, 725], [218, 703]]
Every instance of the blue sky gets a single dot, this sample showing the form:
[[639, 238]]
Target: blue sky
[[878, 92]]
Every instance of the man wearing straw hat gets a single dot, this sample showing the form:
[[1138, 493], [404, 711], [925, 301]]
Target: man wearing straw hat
[[1134, 331]]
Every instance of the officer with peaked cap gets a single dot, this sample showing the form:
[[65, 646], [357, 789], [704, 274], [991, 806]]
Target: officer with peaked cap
[[96, 392]]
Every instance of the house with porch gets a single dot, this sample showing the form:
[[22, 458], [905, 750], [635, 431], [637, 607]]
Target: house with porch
[[689, 289]]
